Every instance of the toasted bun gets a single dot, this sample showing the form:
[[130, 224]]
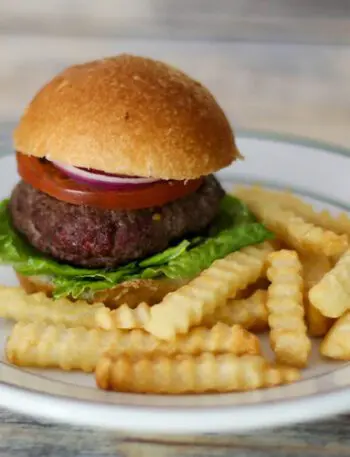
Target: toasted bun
[[128, 115], [130, 292]]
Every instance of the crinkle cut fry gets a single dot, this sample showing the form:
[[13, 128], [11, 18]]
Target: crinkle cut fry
[[288, 337], [339, 224], [297, 232], [318, 324], [314, 268], [336, 344], [125, 317], [16, 304], [251, 313], [189, 374], [40, 345], [331, 296], [188, 306]]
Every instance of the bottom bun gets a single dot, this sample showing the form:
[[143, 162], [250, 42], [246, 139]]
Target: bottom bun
[[132, 293]]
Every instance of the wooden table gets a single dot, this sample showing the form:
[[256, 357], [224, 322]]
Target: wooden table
[[24, 437]]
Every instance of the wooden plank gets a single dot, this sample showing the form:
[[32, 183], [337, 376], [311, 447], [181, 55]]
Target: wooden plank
[[22, 436], [319, 21]]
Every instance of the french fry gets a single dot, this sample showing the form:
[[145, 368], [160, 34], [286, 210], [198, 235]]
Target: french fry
[[259, 193], [16, 304], [288, 337], [250, 313], [125, 317], [187, 306], [314, 268], [295, 231], [283, 198], [40, 345], [49, 346], [331, 296], [339, 224], [336, 344], [189, 374], [318, 324]]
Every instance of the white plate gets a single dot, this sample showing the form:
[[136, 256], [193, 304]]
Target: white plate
[[316, 171]]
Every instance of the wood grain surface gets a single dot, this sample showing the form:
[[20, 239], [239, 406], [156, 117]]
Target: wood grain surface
[[297, 21], [24, 437]]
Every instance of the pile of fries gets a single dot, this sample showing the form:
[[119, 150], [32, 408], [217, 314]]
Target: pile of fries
[[204, 337]]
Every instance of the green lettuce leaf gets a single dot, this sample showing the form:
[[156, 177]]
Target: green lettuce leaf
[[165, 256], [79, 286], [234, 228], [192, 262]]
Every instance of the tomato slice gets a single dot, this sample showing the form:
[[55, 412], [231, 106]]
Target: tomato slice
[[44, 176]]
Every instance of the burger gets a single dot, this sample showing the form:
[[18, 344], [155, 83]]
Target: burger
[[117, 200]]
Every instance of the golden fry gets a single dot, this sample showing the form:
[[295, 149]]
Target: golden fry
[[250, 313], [339, 224], [188, 374], [288, 335], [128, 318], [336, 344], [331, 296], [296, 232], [318, 324], [314, 268], [40, 345], [49, 346], [188, 305], [16, 304]]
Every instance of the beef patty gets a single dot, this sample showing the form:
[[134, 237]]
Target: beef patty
[[93, 237]]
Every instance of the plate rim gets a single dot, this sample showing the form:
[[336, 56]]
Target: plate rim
[[161, 421], [296, 140], [281, 412]]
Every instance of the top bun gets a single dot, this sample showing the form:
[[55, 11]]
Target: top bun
[[128, 115]]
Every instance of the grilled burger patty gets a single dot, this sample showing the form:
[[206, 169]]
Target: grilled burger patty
[[93, 237]]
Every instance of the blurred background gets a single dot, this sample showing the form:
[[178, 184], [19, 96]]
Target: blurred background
[[280, 66]]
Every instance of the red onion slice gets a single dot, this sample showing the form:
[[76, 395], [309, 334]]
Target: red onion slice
[[103, 181]]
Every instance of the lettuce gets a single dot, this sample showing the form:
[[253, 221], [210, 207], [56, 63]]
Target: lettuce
[[234, 228], [192, 262]]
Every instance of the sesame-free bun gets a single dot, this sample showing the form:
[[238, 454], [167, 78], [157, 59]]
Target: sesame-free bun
[[131, 292], [128, 115]]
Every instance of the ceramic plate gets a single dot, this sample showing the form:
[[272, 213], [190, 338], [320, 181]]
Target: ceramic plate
[[318, 172]]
